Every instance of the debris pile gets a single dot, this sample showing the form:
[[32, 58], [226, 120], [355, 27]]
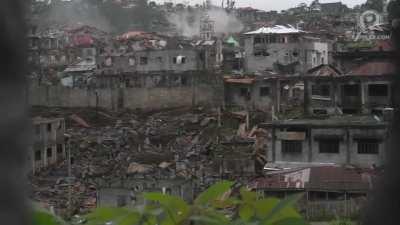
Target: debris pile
[[188, 143]]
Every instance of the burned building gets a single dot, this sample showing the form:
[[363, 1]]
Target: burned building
[[283, 48], [271, 93], [365, 89], [344, 140], [48, 145]]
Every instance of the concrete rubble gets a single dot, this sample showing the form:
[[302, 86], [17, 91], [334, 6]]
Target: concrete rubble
[[165, 144]]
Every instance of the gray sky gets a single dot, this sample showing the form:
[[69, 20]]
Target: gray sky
[[267, 4]]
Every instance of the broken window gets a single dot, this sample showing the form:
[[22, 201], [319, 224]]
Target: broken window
[[132, 61], [329, 146], [59, 148], [320, 111], [159, 59], [368, 146], [245, 92], [378, 90], [49, 152], [38, 155], [290, 146], [143, 60], [49, 127], [321, 90], [179, 60], [264, 91], [184, 81], [351, 90]]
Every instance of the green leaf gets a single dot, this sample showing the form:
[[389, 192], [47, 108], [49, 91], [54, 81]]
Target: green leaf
[[246, 212], [103, 215], [45, 218], [213, 193], [176, 209], [273, 210], [130, 219], [248, 196]]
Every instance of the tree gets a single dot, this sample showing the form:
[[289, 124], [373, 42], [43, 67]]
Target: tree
[[373, 5], [215, 206]]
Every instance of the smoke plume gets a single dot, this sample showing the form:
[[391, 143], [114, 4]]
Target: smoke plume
[[187, 22]]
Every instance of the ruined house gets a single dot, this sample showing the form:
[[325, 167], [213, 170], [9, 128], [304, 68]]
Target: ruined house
[[345, 140], [48, 144], [330, 191], [365, 89], [270, 93], [283, 48]]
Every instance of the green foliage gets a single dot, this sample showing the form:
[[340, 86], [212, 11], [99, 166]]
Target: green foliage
[[41, 217], [215, 206], [342, 222]]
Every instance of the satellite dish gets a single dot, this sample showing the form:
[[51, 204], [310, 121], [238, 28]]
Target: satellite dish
[[369, 19]]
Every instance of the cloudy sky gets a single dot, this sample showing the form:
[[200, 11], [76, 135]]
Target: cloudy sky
[[267, 4]]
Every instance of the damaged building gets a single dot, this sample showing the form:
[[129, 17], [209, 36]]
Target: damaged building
[[283, 48], [48, 144], [366, 89], [345, 140]]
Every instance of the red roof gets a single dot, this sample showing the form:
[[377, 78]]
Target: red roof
[[82, 40], [333, 178], [374, 68], [324, 71]]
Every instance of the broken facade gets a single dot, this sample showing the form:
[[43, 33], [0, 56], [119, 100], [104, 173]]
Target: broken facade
[[48, 144], [283, 49], [345, 140]]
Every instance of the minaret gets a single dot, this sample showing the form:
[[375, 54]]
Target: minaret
[[207, 27]]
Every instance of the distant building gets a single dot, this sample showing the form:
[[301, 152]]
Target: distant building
[[365, 89], [49, 145], [284, 49], [345, 140]]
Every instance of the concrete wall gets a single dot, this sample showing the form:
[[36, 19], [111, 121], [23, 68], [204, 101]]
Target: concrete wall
[[145, 98], [310, 53], [365, 103], [348, 148]]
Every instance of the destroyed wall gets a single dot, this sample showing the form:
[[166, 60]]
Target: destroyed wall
[[301, 54], [145, 98], [327, 96], [261, 95]]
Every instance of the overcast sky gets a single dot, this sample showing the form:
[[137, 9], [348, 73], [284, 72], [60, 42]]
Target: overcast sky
[[267, 4]]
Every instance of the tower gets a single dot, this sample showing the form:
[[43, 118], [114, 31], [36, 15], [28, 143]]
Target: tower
[[207, 27]]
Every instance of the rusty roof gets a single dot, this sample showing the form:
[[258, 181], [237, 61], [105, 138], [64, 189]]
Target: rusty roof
[[244, 80], [324, 70], [327, 178], [374, 68]]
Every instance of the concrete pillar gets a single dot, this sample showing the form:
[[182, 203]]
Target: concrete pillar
[[364, 94], [310, 142], [306, 97], [348, 146], [273, 135]]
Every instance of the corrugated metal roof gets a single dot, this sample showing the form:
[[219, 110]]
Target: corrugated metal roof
[[277, 29], [374, 68], [324, 71], [328, 178]]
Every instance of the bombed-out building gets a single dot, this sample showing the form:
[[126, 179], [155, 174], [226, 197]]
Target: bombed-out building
[[346, 140], [48, 144], [366, 89], [283, 48]]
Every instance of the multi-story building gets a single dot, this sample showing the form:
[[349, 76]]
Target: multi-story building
[[283, 48], [48, 144]]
